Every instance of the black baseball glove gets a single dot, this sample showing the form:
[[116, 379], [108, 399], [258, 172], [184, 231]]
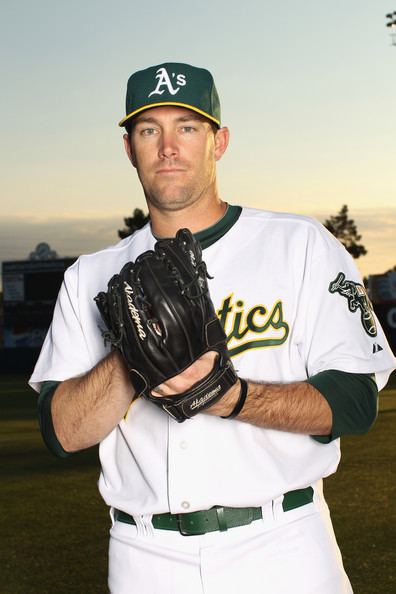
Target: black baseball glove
[[159, 314]]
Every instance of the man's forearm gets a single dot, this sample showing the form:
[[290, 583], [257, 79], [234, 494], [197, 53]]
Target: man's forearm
[[296, 407], [86, 409]]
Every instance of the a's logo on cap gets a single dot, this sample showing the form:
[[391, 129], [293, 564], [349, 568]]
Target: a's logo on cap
[[164, 80]]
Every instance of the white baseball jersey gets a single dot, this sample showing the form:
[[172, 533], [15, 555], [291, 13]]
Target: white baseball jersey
[[290, 300]]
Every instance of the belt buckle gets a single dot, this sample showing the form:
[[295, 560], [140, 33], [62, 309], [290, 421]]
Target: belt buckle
[[181, 520]]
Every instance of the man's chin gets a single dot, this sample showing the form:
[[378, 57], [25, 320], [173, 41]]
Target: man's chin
[[171, 201]]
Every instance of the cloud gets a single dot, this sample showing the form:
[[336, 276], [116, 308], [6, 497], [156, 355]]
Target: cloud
[[67, 236], [377, 227], [72, 236]]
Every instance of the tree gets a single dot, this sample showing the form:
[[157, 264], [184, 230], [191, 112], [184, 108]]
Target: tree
[[391, 270], [133, 223], [346, 232]]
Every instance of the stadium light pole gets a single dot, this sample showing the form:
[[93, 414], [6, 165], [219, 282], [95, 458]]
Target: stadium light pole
[[391, 24]]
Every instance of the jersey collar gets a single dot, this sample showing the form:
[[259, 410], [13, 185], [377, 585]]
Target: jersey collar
[[209, 236]]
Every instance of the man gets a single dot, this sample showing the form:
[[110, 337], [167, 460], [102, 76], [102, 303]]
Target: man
[[300, 330]]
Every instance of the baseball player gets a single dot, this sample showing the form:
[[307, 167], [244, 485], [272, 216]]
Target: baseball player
[[229, 501]]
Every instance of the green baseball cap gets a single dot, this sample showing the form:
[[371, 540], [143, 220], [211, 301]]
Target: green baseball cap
[[176, 84]]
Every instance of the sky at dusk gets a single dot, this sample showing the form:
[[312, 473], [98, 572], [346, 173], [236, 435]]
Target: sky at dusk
[[308, 90]]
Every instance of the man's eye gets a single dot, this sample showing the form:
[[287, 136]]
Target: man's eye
[[188, 129], [148, 131]]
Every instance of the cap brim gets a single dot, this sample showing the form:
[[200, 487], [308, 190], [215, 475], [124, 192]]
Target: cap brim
[[174, 103]]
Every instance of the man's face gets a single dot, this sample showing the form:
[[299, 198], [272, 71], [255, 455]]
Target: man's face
[[174, 151]]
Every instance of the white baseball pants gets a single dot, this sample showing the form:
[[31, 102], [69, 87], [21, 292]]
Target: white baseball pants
[[292, 552]]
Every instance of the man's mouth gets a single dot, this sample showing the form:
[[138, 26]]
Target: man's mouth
[[166, 170]]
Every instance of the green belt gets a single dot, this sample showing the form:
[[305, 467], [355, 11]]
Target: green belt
[[218, 518]]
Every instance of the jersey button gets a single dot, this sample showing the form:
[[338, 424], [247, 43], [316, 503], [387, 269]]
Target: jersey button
[[185, 505], [184, 445]]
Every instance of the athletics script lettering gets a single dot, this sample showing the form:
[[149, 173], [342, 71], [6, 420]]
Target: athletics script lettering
[[256, 328]]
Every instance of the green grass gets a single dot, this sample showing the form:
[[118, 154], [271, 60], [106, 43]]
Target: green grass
[[54, 525], [361, 496]]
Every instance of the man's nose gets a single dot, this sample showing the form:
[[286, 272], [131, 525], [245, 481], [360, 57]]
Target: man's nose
[[168, 147]]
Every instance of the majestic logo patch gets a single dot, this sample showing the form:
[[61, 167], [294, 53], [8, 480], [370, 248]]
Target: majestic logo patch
[[357, 299], [256, 328], [164, 80], [377, 348]]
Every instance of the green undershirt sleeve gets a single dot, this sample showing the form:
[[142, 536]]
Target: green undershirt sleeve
[[353, 399], [45, 419]]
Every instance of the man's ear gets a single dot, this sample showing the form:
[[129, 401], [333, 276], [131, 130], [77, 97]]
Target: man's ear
[[128, 149], [221, 142]]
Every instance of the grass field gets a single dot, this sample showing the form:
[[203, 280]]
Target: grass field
[[54, 524]]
